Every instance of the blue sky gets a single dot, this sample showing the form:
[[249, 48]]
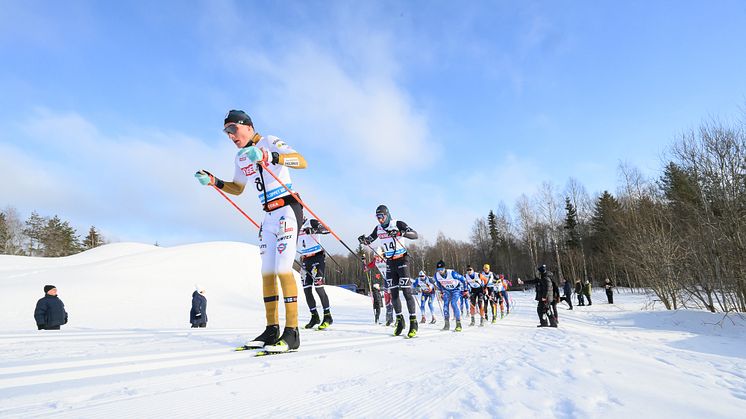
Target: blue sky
[[439, 109]]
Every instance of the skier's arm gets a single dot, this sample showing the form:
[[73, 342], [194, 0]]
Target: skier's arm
[[406, 231], [284, 155], [196, 303], [317, 227], [370, 239], [40, 312]]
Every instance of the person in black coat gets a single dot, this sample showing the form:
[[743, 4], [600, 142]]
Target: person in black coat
[[544, 297], [567, 289], [608, 285], [579, 293], [50, 311], [198, 314]]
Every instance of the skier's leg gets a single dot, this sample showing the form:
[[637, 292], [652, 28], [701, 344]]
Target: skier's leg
[[287, 242], [308, 285], [405, 283], [430, 304], [267, 244], [318, 282], [393, 275], [456, 309]]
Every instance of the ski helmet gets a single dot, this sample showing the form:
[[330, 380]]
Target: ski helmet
[[383, 215], [542, 269], [440, 265], [422, 273]]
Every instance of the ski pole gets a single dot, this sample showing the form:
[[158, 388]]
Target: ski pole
[[236, 206], [297, 198]]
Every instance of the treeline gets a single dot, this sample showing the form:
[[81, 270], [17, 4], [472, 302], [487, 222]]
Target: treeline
[[42, 236], [682, 234]]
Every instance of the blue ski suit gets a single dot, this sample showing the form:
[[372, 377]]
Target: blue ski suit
[[452, 285], [427, 289]]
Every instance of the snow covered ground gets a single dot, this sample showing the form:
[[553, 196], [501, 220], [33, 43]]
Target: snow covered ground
[[128, 351]]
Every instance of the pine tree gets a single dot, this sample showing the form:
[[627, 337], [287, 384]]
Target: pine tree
[[93, 239], [4, 233], [59, 239], [571, 225], [603, 222], [34, 231], [494, 236]]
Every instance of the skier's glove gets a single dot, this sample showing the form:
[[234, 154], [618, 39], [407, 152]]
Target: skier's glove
[[40, 326], [204, 177], [256, 155], [363, 239]]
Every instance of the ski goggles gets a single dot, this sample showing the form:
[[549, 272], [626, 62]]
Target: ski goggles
[[381, 216], [231, 129]]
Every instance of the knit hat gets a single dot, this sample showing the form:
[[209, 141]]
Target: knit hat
[[237, 117], [48, 287], [440, 265]]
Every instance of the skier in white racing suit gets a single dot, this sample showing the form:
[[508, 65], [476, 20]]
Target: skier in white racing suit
[[279, 230]]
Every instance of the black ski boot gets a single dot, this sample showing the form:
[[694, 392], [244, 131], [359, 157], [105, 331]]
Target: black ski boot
[[433, 320], [472, 321], [270, 336], [327, 321], [289, 341], [447, 325], [314, 320], [398, 325], [481, 322], [412, 327]]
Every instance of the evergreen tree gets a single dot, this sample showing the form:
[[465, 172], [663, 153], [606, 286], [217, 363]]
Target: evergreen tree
[[4, 233], [571, 225], [34, 231], [494, 236], [93, 239], [603, 222], [59, 239]]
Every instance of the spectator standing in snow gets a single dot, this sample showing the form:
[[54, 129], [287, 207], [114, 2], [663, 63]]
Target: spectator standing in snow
[[555, 297], [50, 311], [567, 289], [377, 301], [198, 314], [579, 293], [608, 285], [587, 291]]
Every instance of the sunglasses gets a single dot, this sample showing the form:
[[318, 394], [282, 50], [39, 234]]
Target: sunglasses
[[231, 129], [380, 215]]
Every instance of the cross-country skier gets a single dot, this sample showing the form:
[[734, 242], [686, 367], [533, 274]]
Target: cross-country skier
[[426, 287], [388, 231], [313, 263], [499, 296], [475, 285], [282, 220], [506, 297], [491, 297], [452, 285]]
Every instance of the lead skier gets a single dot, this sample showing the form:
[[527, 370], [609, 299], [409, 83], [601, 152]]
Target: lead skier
[[279, 230], [388, 232]]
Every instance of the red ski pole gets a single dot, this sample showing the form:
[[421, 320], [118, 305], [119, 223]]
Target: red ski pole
[[236, 206]]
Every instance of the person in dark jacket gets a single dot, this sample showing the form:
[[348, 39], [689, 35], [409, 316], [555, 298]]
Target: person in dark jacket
[[608, 285], [567, 289], [579, 293], [198, 313], [50, 311], [544, 297], [377, 301]]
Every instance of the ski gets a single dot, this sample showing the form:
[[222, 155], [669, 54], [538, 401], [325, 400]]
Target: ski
[[268, 353]]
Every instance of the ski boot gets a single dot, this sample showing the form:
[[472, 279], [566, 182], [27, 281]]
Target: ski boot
[[423, 320], [472, 321], [398, 325], [289, 341], [494, 319], [458, 326], [412, 327], [433, 320], [314, 320], [388, 322], [481, 322], [502, 315], [327, 321], [447, 325], [270, 336]]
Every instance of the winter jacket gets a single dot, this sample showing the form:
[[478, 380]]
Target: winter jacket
[[50, 312], [587, 288], [608, 285], [578, 288], [544, 288], [567, 288], [555, 291], [198, 313]]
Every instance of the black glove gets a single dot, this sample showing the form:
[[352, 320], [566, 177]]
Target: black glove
[[394, 232], [40, 326], [363, 239]]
